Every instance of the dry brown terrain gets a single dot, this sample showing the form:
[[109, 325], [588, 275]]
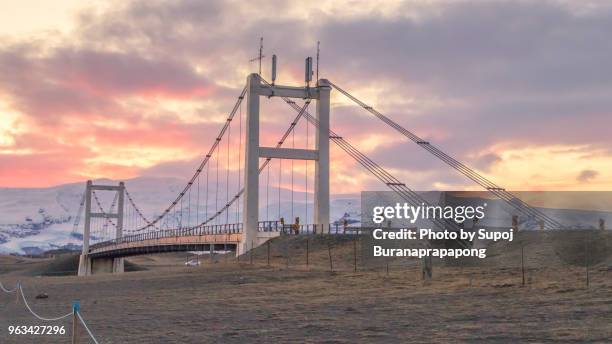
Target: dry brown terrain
[[231, 302]]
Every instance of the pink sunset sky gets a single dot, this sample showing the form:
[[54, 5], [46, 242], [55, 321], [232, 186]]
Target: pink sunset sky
[[519, 90]]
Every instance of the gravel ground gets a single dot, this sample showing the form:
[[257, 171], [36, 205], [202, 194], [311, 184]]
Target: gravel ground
[[230, 302]]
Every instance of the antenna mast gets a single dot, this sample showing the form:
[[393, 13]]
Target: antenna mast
[[318, 44], [261, 55]]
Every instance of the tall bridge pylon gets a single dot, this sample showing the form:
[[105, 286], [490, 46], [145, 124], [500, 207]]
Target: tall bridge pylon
[[87, 265], [253, 151]]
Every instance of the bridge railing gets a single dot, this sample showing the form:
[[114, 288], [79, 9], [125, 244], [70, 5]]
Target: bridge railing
[[270, 226], [307, 229], [233, 228]]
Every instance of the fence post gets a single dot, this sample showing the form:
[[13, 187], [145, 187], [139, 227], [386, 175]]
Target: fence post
[[355, 254], [268, 243], [211, 252], [586, 261], [523, 264], [75, 309], [287, 254], [427, 268], [331, 266], [307, 250], [251, 252]]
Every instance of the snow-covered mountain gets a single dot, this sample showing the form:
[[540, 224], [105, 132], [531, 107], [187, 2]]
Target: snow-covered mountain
[[34, 220]]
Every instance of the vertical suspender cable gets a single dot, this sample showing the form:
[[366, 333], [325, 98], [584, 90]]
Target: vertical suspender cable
[[198, 202], [280, 177], [268, 192], [292, 168], [229, 137], [217, 184], [189, 208], [306, 177], [179, 221], [207, 173], [239, 161]]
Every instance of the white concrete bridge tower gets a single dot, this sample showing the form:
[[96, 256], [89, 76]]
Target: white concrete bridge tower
[[256, 89], [87, 265]]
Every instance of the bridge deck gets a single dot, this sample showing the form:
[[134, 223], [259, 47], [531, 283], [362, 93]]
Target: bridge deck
[[168, 244]]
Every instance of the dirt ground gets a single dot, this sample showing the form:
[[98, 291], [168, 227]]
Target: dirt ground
[[239, 302]]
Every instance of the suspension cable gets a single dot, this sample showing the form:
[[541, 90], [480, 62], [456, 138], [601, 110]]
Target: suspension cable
[[201, 166], [514, 201], [139, 213], [106, 216], [77, 218], [391, 182], [291, 128]]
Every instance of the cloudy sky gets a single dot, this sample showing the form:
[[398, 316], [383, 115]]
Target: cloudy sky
[[520, 90]]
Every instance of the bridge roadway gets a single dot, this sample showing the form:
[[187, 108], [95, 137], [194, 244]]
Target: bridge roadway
[[203, 238], [108, 256], [188, 242]]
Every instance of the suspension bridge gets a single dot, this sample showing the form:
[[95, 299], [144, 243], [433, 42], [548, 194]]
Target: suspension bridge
[[219, 207]]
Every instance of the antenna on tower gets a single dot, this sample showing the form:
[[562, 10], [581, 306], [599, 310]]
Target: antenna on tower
[[318, 44], [261, 55], [308, 70], [273, 68]]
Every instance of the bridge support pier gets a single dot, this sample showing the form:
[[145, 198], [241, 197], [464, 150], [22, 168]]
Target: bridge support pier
[[84, 265], [255, 88], [93, 266]]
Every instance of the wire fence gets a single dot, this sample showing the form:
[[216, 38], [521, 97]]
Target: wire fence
[[75, 313], [577, 258]]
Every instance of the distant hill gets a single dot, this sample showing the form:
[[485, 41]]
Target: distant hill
[[37, 220]]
